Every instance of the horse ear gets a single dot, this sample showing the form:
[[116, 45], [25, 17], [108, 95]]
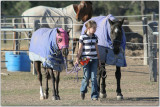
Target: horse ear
[[58, 30], [68, 31], [110, 22], [122, 21]]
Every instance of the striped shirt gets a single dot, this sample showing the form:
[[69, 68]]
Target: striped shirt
[[89, 46]]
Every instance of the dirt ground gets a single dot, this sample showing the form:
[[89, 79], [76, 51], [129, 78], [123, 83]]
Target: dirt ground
[[22, 88]]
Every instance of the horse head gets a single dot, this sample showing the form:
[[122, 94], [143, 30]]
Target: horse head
[[83, 11], [116, 34], [62, 39]]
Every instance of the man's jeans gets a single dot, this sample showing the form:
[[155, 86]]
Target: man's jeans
[[90, 71]]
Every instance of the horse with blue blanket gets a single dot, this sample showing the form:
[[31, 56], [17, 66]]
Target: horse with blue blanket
[[49, 47], [111, 46]]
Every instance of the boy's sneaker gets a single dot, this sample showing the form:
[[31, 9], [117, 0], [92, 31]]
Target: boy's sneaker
[[94, 99], [82, 96]]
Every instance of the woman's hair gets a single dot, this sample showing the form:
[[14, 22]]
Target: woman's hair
[[89, 24]]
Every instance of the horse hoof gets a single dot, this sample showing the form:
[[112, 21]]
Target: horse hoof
[[41, 97], [46, 96], [101, 95], [58, 98], [54, 98], [119, 97]]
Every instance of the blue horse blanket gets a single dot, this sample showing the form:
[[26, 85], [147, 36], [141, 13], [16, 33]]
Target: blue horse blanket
[[104, 40], [43, 48]]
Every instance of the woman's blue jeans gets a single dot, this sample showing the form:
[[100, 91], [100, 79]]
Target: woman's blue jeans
[[90, 71]]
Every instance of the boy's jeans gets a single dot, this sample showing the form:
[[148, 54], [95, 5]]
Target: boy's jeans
[[90, 71]]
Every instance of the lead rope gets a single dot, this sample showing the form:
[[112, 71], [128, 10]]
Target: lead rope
[[65, 64], [101, 68], [75, 69]]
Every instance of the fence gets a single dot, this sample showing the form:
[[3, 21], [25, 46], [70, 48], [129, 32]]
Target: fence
[[147, 30]]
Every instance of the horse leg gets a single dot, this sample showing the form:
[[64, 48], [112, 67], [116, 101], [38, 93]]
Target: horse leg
[[57, 84], [53, 82], [38, 69], [118, 78], [103, 83], [46, 94]]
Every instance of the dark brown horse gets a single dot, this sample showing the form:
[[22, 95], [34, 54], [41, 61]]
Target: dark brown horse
[[52, 60], [116, 38]]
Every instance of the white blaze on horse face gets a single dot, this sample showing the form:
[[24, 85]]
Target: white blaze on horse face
[[116, 30]]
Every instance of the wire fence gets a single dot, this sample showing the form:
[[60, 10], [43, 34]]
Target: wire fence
[[11, 29]]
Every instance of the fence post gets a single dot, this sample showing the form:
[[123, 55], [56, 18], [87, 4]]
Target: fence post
[[152, 49], [35, 27], [153, 16], [15, 36], [145, 41], [4, 34]]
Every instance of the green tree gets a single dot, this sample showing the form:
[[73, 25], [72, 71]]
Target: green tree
[[21, 6], [135, 9], [14, 7]]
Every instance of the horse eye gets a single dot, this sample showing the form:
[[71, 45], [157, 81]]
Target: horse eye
[[59, 40]]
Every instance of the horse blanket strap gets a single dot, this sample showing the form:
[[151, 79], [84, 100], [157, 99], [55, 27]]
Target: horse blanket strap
[[43, 47], [75, 69]]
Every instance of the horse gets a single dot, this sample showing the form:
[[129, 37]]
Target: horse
[[111, 46], [79, 13], [49, 47]]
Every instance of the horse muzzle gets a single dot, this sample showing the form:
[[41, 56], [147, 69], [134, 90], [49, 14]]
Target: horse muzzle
[[116, 45], [65, 52], [78, 19]]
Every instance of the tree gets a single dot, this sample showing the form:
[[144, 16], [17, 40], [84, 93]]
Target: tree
[[14, 7], [21, 6]]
